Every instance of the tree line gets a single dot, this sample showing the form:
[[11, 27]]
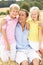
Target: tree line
[[23, 4]]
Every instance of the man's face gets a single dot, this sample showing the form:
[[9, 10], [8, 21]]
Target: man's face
[[22, 16]]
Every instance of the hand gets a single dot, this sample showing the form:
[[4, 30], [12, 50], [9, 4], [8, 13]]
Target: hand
[[41, 51], [8, 47]]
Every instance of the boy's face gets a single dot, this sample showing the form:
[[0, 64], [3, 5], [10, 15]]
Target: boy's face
[[34, 15], [14, 12]]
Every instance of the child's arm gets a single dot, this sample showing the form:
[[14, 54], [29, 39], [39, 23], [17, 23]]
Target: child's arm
[[3, 21], [4, 36], [27, 24], [40, 40], [40, 35]]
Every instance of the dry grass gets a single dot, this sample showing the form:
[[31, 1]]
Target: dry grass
[[12, 63], [8, 63], [4, 9], [41, 15]]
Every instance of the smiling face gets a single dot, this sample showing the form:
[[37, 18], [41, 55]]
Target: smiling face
[[35, 15], [14, 12], [22, 16]]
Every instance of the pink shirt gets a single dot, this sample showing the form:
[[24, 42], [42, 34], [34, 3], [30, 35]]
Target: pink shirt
[[10, 29]]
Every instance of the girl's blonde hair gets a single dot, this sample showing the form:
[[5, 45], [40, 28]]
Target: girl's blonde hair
[[13, 6], [35, 8]]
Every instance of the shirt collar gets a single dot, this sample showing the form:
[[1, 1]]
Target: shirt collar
[[8, 16], [21, 27]]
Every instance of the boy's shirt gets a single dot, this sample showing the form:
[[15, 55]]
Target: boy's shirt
[[21, 38], [34, 28], [10, 28]]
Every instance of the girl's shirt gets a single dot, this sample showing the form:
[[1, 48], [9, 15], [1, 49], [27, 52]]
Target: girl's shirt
[[34, 28], [10, 28]]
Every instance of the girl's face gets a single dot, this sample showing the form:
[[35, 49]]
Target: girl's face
[[34, 15], [14, 12]]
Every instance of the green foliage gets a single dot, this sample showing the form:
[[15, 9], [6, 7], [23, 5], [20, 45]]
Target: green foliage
[[6, 3], [25, 5], [7, 12], [4, 13], [38, 3], [29, 3]]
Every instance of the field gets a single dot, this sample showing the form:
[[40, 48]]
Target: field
[[41, 15], [5, 9], [1, 17]]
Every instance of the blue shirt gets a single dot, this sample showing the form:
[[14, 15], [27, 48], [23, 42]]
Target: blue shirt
[[21, 38]]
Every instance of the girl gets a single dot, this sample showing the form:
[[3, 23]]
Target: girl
[[33, 26], [8, 30]]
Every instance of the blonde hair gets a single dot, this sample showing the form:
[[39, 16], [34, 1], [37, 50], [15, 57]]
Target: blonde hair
[[35, 8], [14, 5]]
